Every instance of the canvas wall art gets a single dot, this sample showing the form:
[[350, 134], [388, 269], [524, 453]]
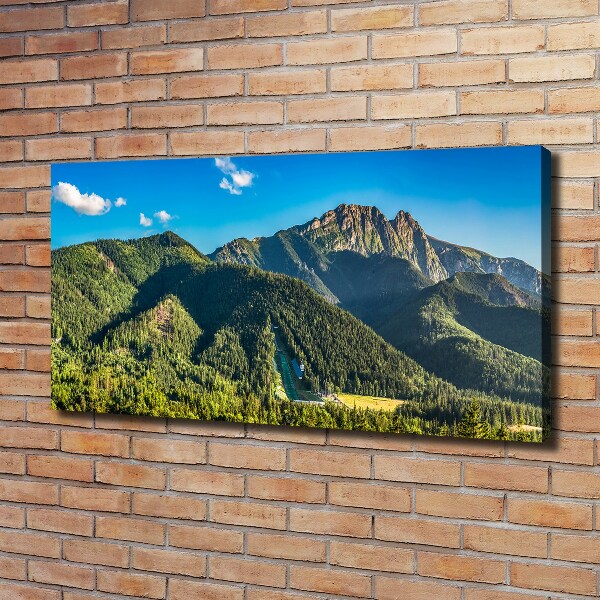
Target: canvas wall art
[[401, 292]]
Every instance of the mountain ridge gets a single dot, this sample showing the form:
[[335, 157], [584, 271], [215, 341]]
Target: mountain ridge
[[367, 231]]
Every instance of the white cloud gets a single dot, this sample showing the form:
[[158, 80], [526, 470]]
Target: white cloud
[[225, 185], [163, 216], [239, 177], [83, 204], [145, 221], [120, 202]]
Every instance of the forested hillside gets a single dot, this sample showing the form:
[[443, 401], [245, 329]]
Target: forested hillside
[[152, 326]]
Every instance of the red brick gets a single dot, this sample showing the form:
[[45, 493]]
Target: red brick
[[286, 547], [459, 506], [501, 540], [563, 450], [539, 9], [180, 115], [247, 457], [372, 77], [394, 468], [547, 513], [13, 568], [60, 521], [129, 475], [27, 592], [132, 584], [282, 83], [32, 544], [29, 437], [132, 530], [29, 70], [252, 514], [286, 489], [31, 19], [506, 477], [330, 522], [463, 11], [39, 201], [553, 578], [38, 307], [207, 482], [461, 568], [575, 484], [167, 61], [59, 574], [180, 589], [23, 124], [387, 589], [207, 143], [94, 66], [304, 140], [286, 24], [14, 464], [42, 412], [245, 570], [338, 464], [213, 29], [11, 150], [11, 98], [62, 43], [575, 548], [164, 561], [170, 507], [60, 467], [370, 495], [96, 553], [11, 410], [224, 7], [206, 538], [58, 149], [372, 557], [157, 10], [104, 444], [415, 43], [323, 51], [31, 492], [12, 305], [134, 37], [169, 451], [78, 94], [244, 56], [417, 531], [207, 86], [23, 177], [78, 121], [330, 581], [12, 46], [107, 13], [142, 144], [369, 138]]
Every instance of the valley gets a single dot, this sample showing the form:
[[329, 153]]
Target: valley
[[349, 321]]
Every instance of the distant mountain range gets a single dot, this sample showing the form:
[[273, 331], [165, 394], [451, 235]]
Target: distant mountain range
[[430, 298], [370, 306], [310, 251]]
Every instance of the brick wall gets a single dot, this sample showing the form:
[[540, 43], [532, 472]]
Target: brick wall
[[111, 507]]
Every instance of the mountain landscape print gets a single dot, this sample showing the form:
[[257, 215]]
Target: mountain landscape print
[[398, 292]]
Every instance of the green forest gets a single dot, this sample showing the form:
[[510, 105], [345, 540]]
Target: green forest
[[153, 327]]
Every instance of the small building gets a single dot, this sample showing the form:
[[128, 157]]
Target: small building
[[298, 368]]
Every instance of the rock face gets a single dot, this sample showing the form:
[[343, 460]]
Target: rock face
[[308, 251], [459, 259]]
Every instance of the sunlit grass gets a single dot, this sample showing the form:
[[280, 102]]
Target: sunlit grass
[[372, 402]]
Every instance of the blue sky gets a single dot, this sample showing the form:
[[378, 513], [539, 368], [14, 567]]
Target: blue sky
[[487, 198]]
